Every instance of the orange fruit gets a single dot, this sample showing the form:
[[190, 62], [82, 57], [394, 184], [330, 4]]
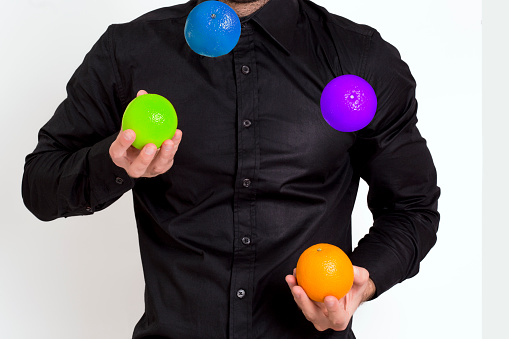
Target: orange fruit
[[324, 269]]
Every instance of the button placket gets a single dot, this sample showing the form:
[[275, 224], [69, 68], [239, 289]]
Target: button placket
[[247, 165]]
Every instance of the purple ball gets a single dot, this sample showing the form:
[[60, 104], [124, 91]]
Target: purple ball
[[348, 103]]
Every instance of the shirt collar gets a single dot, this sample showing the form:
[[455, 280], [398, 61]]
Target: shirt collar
[[279, 19]]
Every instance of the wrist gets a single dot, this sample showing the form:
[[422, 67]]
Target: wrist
[[370, 290]]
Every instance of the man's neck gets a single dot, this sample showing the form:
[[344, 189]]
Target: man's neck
[[245, 7]]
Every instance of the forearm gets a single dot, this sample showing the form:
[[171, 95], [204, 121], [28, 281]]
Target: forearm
[[59, 183], [403, 198], [395, 246], [70, 171]]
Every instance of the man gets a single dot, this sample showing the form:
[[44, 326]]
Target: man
[[259, 175]]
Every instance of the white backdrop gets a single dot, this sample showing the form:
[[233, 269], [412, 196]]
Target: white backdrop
[[81, 277]]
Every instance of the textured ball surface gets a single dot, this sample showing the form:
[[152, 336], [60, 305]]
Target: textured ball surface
[[323, 270], [212, 29], [153, 119], [348, 103]]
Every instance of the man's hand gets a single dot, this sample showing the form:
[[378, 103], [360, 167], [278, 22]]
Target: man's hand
[[148, 162], [333, 313]]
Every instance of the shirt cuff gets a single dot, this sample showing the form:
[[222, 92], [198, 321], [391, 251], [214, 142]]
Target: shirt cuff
[[383, 265], [107, 181]]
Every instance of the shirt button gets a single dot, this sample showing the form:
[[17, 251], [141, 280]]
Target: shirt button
[[119, 180], [246, 183], [246, 240], [246, 123], [245, 69], [241, 294]]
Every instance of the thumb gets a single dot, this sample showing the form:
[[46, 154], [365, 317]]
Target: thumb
[[360, 275], [141, 92]]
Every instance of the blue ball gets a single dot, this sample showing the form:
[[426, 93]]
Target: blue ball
[[212, 29]]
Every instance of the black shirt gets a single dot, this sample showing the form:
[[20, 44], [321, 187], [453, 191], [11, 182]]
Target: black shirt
[[259, 175]]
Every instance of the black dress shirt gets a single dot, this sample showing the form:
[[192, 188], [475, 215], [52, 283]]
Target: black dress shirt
[[259, 175]]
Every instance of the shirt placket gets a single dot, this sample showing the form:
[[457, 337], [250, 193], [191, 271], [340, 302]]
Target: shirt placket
[[242, 290]]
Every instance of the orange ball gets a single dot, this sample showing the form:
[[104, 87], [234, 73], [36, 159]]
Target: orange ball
[[324, 269]]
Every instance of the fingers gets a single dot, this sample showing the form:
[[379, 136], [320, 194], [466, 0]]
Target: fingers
[[306, 305], [177, 137], [337, 312], [141, 163], [359, 275], [291, 281], [309, 308], [120, 146], [149, 162], [295, 289], [122, 157], [124, 140], [332, 313], [164, 160]]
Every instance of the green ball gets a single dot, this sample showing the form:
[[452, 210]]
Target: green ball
[[153, 119]]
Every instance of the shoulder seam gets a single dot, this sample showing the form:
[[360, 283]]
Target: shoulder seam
[[120, 86], [365, 54], [366, 32]]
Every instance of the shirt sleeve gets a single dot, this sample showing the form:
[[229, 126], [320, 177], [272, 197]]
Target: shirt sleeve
[[70, 171], [394, 160]]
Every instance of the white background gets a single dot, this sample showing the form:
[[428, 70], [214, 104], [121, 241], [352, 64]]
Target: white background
[[81, 277]]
